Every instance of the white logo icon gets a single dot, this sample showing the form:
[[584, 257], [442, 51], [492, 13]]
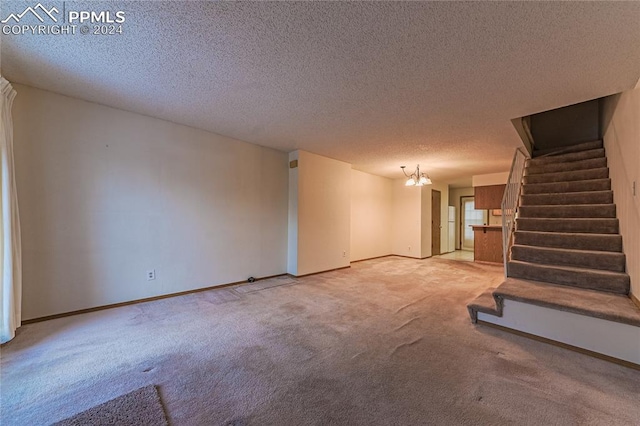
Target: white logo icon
[[40, 7]]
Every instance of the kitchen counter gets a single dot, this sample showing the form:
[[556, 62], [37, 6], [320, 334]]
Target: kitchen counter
[[487, 246]]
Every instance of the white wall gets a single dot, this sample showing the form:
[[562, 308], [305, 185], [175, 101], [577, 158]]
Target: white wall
[[106, 195], [406, 220], [371, 213], [323, 214], [621, 128]]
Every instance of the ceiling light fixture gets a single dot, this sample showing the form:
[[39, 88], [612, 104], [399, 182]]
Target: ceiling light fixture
[[416, 178]]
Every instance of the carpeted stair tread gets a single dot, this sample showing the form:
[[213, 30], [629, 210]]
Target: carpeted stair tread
[[581, 225], [570, 176], [584, 197], [583, 146], [568, 240], [572, 186], [569, 211], [567, 252], [594, 279], [591, 163], [485, 303], [602, 260], [607, 306], [566, 158]]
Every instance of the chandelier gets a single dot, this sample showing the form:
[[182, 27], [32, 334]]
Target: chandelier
[[416, 178]]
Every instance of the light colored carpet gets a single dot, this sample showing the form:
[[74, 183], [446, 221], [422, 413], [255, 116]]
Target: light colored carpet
[[141, 407], [264, 284], [386, 342]]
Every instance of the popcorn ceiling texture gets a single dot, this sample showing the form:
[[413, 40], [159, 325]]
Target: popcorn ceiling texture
[[375, 84]]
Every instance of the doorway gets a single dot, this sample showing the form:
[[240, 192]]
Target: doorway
[[469, 216], [436, 224]]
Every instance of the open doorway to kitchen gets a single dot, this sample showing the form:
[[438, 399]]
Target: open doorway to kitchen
[[469, 216]]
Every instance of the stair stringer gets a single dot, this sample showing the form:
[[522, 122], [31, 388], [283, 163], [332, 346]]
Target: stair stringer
[[580, 332]]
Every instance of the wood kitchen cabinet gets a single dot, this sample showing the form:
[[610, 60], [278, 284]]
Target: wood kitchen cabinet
[[488, 197]]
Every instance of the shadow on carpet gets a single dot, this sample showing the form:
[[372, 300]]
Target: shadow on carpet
[[265, 284], [142, 407]]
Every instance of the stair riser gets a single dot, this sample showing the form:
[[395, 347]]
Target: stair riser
[[577, 211], [595, 197], [594, 226], [614, 284], [609, 243], [575, 186], [606, 261], [576, 175], [565, 158], [594, 163], [586, 146]]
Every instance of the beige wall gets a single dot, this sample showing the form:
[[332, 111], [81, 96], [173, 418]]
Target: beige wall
[[411, 219], [490, 179], [454, 200], [106, 195], [494, 220], [621, 129], [371, 213], [292, 225], [406, 220], [323, 214]]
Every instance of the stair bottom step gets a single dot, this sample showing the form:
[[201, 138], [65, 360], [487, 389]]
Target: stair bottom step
[[612, 341], [485, 303], [568, 315], [597, 304]]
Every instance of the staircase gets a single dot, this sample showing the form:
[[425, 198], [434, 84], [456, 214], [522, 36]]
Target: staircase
[[567, 253]]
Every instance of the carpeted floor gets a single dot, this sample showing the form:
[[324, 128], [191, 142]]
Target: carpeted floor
[[387, 342], [141, 407]]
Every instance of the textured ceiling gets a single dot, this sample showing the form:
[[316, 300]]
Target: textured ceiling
[[375, 84]]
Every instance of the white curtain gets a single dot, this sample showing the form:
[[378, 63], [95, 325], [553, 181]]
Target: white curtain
[[10, 254]]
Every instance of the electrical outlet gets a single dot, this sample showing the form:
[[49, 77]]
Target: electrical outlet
[[151, 275], [409, 248], [344, 253]]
